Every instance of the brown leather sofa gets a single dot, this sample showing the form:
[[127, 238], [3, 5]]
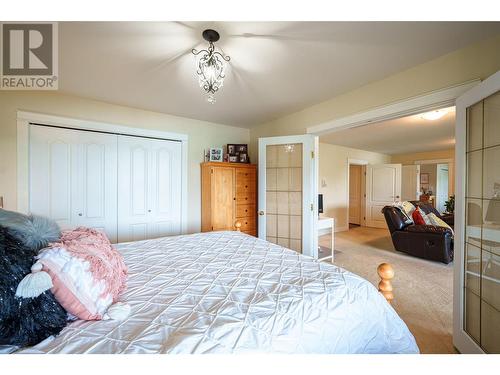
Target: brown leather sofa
[[422, 241]]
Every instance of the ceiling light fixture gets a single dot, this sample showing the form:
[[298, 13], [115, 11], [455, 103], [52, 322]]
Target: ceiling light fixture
[[434, 115], [211, 65]]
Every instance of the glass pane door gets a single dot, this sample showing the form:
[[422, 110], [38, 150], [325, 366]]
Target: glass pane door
[[288, 192], [284, 195], [482, 224]]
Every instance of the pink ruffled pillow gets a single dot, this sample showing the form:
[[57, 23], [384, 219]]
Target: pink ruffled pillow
[[87, 273]]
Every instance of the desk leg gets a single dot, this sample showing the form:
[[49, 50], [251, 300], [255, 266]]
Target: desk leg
[[332, 243]]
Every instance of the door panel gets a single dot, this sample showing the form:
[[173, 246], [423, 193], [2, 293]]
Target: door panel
[[410, 182], [223, 198], [73, 177], [355, 194], [383, 187], [441, 186], [149, 176], [288, 191], [476, 308], [165, 180], [97, 179]]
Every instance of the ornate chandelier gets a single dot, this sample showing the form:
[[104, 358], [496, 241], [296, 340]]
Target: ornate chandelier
[[211, 65]]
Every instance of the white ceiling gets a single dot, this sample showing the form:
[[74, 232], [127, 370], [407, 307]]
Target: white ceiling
[[276, 67], [400, 136]]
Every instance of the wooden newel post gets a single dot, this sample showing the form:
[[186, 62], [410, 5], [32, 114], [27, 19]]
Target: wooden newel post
[[386, 273], [237, 225]]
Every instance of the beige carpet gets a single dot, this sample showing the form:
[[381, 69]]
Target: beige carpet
[[423, 289]]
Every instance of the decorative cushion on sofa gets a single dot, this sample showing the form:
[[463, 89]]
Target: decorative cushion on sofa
[[438, 222], [408, 207], [419, 217], [24, 321]]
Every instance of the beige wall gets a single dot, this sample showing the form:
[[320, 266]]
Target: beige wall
[[407, 159], [477, 61], [201, 134], [333, 171]]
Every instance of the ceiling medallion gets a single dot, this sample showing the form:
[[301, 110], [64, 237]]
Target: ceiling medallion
[[211, 65]]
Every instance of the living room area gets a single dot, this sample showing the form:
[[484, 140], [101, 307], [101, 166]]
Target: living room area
[[377, 167]]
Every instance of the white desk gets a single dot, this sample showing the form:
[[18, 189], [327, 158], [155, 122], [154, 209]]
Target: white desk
[[327, 223]]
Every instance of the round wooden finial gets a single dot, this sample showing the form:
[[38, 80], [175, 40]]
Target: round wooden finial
[[386, 273], [237, 225]]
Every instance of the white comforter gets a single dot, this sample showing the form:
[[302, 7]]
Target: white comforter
[[226, 292]]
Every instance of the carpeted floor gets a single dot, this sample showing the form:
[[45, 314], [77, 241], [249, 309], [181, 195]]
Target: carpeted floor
[[423, 289]]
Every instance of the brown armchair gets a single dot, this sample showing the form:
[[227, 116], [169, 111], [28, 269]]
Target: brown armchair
[[422, 241]]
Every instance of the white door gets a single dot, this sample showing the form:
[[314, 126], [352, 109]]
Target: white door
[[410, 182], [441, 186], [149, 194], [383, 187], [73, 177], [288, 192], [476, 303], [355, 194]]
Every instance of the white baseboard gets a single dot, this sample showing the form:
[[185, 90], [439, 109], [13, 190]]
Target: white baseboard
[[337, 229]]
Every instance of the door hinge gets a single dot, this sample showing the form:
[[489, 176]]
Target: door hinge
[[312, 207], [312, 154]]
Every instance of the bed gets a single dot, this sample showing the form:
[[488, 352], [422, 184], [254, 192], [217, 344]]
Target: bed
[[227, 292]]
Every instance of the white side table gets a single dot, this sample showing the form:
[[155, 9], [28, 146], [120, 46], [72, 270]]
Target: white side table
[[328, 223]]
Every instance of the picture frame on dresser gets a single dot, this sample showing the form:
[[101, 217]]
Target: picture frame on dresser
[[216, 154]]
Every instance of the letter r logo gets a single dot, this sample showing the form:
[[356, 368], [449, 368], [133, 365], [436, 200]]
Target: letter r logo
[[27, 49]]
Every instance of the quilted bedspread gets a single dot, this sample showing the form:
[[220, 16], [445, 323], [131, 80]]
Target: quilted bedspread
[[227, 292]]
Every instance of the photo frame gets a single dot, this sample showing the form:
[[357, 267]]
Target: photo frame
[[424, 178], [236, 149], [235, 152], [216, 154]]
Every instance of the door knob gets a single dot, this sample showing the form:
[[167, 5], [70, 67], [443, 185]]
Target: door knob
[[261, 213], [80, 214]]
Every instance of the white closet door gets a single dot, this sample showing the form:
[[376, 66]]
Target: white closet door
[[73, 177], [149, 195]]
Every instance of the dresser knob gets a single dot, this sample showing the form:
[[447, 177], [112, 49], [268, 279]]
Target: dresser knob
[[261, 213]]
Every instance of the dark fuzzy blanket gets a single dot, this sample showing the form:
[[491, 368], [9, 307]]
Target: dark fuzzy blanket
[[24, 321]]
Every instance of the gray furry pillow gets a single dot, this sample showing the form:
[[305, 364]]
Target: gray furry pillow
[[35, 232]]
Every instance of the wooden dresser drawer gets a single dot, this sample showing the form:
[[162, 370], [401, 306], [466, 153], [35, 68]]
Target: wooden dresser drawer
[[247, 197], [251, 232], [248, 224], [246, 175], [246, 186], [246, 210]]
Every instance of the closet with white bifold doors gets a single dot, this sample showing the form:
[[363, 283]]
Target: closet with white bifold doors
[[127, 186]]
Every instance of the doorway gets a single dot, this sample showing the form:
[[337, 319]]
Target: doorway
[[356, 190]]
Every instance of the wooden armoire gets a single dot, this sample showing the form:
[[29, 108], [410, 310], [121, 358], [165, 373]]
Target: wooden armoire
[[228, 194]]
